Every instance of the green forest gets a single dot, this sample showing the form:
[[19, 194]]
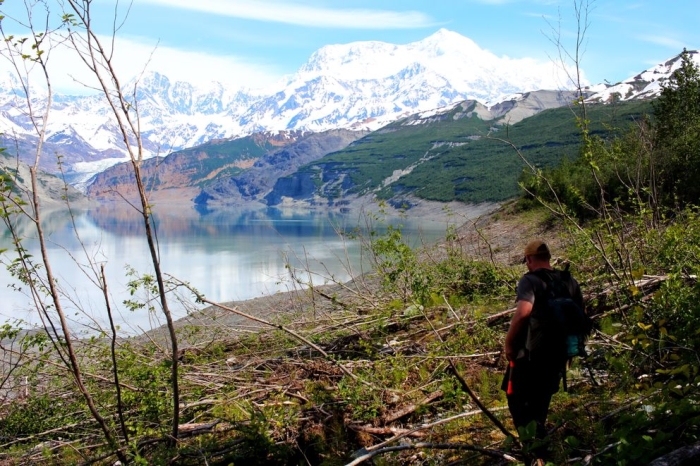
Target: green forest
[[465, 159]]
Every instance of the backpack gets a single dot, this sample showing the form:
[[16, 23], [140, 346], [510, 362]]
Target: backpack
[[559, 327]]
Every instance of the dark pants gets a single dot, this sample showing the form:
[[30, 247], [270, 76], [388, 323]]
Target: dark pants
[[533, 385], [525, 409]]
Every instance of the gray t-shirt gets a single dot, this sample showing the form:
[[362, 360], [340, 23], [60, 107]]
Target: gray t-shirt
[[528, 286]]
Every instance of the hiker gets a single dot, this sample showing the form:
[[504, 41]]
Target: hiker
[[535, 368]]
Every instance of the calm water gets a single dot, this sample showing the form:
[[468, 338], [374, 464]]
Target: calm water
[[226, 255]]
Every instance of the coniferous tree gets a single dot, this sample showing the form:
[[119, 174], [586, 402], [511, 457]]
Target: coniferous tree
[[677, 113]]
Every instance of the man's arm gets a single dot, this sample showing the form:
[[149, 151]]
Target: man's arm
[[517, 324]]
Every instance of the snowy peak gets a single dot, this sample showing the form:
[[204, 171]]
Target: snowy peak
[[369, 84], [645, 85], [448, 54], [156, 91], [448, 43], [353, 61]]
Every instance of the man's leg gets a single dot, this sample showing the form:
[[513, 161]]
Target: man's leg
[[539, 406], [531, 404], [519, 410]]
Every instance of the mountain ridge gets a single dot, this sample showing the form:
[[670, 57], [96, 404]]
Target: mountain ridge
[[361, 86], [319, 97], [257, 183], [645, 85]]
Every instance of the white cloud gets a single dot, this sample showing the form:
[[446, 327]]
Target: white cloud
[[193, 66], [304, 15], [665, 41], [70, 75]]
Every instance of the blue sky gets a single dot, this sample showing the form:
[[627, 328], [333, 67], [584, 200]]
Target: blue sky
[[255, 42]]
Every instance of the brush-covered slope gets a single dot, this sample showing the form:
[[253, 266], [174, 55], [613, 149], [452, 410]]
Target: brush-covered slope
[[447, 157]]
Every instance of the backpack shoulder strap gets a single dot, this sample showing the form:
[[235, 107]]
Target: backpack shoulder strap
[[557, 282], [568, 284], [546, 275]]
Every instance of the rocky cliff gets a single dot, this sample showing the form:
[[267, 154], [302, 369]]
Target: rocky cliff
[[180, 175], [223, 172], [52, 190], [256, 184]]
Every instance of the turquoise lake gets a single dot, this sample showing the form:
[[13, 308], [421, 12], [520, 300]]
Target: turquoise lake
[[226, 255]]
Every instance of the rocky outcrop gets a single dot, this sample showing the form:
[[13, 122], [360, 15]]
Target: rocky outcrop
[[514, 110], [258, 182], [52, 191], [180, 175]]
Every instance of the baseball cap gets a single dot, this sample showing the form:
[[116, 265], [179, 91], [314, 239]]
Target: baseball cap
[[535, 248]]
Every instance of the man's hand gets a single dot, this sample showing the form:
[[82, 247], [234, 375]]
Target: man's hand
[[511, 354]]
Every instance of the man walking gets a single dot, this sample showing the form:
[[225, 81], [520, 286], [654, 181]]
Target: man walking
[[535, 369]]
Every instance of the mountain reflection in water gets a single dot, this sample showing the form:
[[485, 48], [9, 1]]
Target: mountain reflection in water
[[226, 254]]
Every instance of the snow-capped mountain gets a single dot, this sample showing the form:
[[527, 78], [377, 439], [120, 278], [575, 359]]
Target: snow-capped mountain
[[362, 85], [370, 84], [647, 84]]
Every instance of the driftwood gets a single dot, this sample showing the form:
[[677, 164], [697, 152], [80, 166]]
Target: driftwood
[[45, 433], [685, 456], [646, 284], [194, 429], [434, 446], [494, 319], [386, 431], [287, 330], [422, 427], [406, 410]]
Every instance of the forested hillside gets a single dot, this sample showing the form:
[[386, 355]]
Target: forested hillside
[[465, 159]]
